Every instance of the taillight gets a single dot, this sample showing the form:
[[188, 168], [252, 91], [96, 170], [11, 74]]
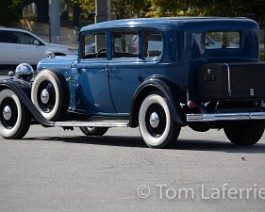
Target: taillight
[[191, 104]]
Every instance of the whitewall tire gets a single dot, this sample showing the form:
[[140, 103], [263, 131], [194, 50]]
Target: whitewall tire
[[50, 94], [14, 117], [157, 127]]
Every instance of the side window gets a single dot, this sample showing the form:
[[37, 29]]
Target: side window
[[4, 36], [94, 45], [125, 44], [153, 44], [9, 37], [23, 38], [225, 40]]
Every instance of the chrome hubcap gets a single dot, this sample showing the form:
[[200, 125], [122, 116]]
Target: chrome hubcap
[[154, 120], [7, 113], [44, 96]]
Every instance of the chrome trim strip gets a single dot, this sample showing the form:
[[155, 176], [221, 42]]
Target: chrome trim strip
[[210, 117], [256, 116], [228, 80], [100, 123]]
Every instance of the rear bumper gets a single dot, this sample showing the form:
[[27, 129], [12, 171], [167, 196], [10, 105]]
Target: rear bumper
[[211, 117]]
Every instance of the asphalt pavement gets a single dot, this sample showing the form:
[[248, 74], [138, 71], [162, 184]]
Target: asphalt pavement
[[53, 170]]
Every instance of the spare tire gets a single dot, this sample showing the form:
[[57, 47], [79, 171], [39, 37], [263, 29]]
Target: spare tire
[[50, 94]]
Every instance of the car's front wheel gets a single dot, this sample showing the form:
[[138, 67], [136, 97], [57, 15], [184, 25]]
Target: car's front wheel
[[245, 133], [14, 117], [93, 131], [157, 127]]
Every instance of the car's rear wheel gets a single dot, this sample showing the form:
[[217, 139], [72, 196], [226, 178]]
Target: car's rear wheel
[[94, 131], [157, 127], [50, 94], [244, 133], [14, 116]]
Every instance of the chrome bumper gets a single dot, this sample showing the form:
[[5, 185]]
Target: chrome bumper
[[210, 117]]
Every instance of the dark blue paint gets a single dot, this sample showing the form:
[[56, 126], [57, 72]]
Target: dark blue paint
[[108, 86]]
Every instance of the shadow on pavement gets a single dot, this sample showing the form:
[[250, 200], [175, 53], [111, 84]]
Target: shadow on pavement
[[122, 141], [182, 144], [218, 146]]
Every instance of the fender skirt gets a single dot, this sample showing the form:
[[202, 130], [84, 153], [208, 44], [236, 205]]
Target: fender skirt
[[22, 90]]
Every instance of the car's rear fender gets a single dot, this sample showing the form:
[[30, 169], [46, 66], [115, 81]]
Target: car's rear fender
[[169, 90], [23, 90]]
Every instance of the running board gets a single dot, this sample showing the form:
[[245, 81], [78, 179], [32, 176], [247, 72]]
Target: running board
[[94, 123]]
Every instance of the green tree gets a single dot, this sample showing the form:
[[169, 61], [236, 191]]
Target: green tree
[[85, 6], [230, 8], [165, 8], [120, 8], [128, 8], [157, 8], [225, 8], [10, 11]]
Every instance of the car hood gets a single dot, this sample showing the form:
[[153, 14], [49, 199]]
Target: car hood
[[69, 49], [59, 63]]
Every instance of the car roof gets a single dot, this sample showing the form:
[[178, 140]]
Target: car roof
[[166, 23], [20, 30], [13, 29]]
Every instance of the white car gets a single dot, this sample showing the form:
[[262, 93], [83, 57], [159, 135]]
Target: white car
[[19, 46]]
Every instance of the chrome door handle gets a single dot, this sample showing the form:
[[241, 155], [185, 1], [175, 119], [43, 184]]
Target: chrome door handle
[[105, 70]]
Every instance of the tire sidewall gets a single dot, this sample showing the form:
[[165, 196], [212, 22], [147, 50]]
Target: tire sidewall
[[148, 138], [43, 76], [94, 131], [247, 133], [9, 133]]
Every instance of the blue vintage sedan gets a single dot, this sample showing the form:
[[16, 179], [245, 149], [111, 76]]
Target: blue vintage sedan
[[159, 74]]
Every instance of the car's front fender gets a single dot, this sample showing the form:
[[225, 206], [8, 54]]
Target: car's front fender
[[23, 90]]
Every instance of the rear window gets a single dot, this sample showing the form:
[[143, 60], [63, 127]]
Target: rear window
[[224, 40], [154, 44]]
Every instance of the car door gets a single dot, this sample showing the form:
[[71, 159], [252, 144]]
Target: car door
[[90, 77], [124, 69], [135, 55], [5, 50], [24, 49]]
